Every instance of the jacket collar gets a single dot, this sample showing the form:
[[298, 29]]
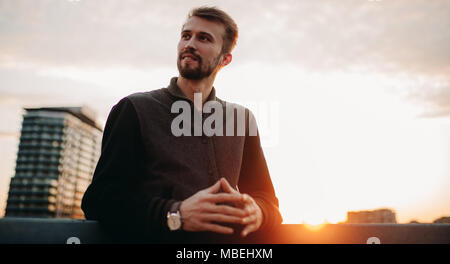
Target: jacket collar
[[176, 91]]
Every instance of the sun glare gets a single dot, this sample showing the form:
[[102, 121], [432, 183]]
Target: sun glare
[[316, 227]]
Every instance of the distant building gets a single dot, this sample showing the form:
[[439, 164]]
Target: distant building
[[58, 151], [442, 220], [371, 217]]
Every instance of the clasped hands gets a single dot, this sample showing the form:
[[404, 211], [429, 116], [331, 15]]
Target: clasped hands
[[207, 209]]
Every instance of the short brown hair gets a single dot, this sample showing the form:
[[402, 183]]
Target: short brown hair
[[217, 15]]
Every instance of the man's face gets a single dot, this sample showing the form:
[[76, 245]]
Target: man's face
[[200, 48]]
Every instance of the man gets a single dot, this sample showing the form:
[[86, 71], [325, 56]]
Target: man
[[161, 187]]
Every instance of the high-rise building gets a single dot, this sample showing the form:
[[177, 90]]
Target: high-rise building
[[58, 151], [372, 217]]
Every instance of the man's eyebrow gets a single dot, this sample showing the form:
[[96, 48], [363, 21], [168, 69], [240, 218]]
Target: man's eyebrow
[[201, 32]]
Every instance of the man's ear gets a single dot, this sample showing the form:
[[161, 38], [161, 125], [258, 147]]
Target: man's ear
[[226, 59]]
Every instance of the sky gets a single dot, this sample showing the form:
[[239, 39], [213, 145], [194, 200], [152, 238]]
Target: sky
[[352, 97]]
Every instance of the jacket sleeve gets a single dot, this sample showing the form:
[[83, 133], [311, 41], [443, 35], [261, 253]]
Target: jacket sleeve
[[115, 197], [255, 180]]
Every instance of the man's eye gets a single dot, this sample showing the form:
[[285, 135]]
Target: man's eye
[[203, 38], [185, 36]]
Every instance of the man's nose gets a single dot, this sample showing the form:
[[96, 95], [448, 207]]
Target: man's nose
[[190, 43]]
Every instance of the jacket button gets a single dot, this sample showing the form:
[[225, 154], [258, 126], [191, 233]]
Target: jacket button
[[204, 140]]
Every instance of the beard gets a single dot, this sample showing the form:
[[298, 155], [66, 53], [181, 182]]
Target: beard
[[199, 71]]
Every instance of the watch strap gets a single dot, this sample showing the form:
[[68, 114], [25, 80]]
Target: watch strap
[[175, 207]]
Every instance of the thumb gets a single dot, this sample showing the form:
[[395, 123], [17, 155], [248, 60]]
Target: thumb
[[214, 188]]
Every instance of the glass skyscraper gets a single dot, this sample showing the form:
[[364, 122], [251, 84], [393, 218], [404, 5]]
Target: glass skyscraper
[[58, 151]]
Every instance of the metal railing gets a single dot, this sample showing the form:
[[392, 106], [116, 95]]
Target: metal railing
[[66, 231]]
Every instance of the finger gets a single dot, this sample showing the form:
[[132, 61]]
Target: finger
[[225, 198], [217, 228], [248, 229], [250, 209], [247, 198], [249, 219], [226, 186], [221, 218], [213, 188], [228, 210]]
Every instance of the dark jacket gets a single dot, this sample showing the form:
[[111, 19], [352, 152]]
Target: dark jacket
[[144, 168]]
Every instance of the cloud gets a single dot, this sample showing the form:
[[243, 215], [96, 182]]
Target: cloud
[[87, 32], [436, 96], [409, 35], [400, 35], [393, 37]]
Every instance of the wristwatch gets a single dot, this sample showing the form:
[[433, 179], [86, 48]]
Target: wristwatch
[[174, 221]]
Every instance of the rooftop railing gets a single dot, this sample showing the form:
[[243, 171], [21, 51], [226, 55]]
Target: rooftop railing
[[66, 231]]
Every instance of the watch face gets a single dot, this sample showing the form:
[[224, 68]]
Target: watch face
[[174, 221]]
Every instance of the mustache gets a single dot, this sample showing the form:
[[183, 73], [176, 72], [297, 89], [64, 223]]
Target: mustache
[[190, 52]]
